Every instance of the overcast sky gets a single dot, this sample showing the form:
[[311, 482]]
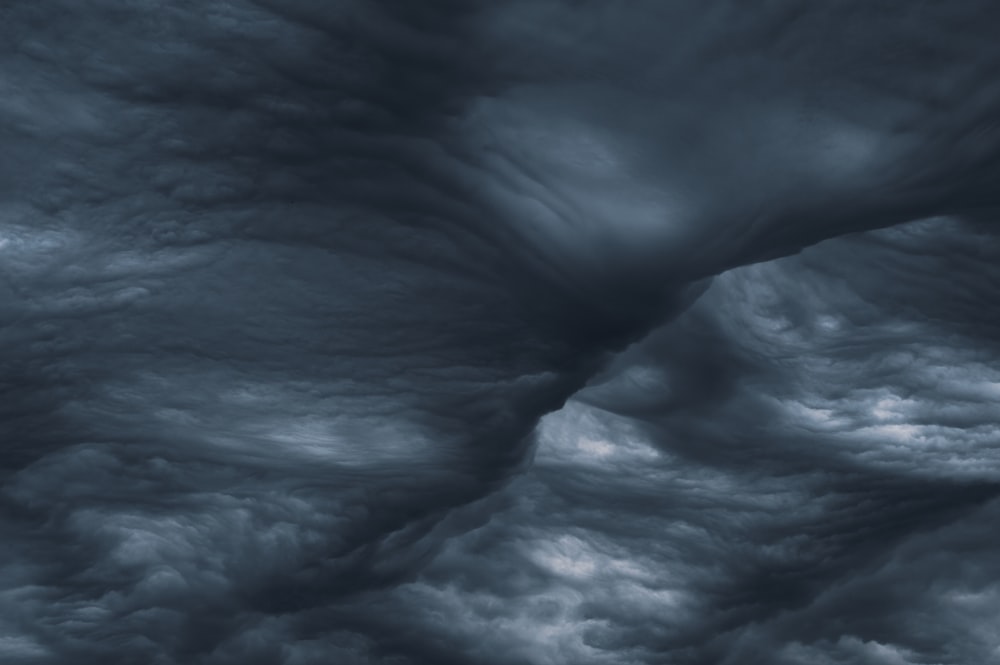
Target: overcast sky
[[500, 332]]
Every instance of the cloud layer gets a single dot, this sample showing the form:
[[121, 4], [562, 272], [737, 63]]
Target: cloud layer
[[468, 332]]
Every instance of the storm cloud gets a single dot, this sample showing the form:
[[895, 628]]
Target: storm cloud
[[534, 331]]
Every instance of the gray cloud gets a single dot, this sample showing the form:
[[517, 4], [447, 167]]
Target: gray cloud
[[487, 333]]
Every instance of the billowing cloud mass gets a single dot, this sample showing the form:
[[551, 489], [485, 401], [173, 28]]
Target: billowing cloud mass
[[531, 331]]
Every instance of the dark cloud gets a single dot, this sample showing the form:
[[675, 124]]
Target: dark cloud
[[468, 332]]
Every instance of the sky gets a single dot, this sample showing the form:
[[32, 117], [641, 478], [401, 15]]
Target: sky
[[518, 332]]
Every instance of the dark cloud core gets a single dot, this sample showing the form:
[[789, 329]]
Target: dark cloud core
[[533, 331]]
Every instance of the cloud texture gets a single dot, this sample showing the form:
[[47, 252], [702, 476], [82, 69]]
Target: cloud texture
[[523, 332]]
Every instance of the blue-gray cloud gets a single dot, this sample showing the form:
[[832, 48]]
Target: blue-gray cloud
[[467, 332]]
